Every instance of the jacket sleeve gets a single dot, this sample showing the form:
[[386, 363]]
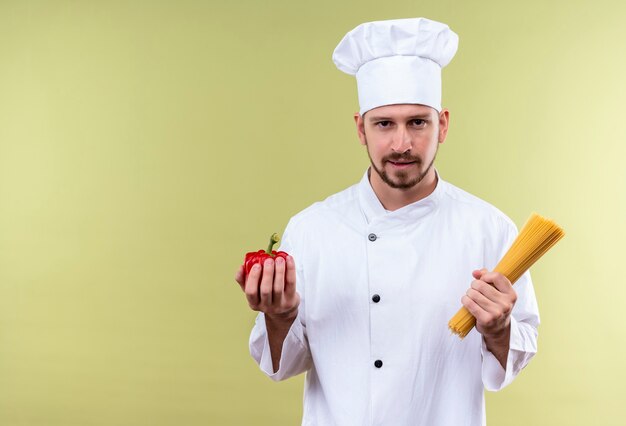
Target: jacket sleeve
[[295, 356], [524, 323]]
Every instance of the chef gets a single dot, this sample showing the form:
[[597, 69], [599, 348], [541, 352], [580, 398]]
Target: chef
[[376, 271]]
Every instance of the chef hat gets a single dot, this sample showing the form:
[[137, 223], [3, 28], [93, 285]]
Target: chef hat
[[397, 61]]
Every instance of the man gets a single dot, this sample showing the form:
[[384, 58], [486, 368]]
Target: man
[[378, 269]]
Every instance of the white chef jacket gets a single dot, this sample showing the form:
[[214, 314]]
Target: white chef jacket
[[394, 362]]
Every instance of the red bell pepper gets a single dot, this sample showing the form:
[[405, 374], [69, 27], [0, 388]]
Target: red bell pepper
[[259, 257]]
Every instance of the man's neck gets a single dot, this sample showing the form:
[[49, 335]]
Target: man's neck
[[394, 199]]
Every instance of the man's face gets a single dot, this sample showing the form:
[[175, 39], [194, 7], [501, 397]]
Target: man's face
[[402, 141]]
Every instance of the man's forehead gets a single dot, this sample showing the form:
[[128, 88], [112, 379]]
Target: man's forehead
[[400, 111]]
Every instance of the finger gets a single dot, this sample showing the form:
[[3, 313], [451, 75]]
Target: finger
[[473, 308], [252, 286], [506, 297], [501, 303], [477, 273], [265, 289], [482, 301], [240, 278], [486, 289], [499, 281], [290, 278], [279, 281]]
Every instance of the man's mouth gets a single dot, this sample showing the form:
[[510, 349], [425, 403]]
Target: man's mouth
[[402, 163]]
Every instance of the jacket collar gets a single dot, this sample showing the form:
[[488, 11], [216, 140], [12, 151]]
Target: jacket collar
[[374, 211]]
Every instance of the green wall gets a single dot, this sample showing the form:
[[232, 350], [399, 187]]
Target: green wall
[[145, 146]]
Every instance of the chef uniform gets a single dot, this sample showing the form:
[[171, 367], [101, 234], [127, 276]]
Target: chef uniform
[[378, 287]]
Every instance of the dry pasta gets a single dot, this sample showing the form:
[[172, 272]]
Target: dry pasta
[[536, 237]]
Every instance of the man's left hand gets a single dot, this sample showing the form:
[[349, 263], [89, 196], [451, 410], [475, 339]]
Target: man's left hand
[[490, 299]]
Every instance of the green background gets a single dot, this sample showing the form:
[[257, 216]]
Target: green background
[[145, 146]]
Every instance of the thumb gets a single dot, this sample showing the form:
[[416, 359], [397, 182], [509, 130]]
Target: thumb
[[240, 277], [290, 277]]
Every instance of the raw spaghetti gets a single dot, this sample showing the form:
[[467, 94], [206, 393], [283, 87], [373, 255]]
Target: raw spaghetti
[[536, 237]]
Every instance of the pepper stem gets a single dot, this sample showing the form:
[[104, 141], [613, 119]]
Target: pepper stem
[[273, 240]]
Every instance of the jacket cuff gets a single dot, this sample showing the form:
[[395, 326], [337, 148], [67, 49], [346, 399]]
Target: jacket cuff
[[261, 352], [521, 350]]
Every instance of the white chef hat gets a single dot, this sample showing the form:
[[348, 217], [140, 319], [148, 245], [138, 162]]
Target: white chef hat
[[397, 61]]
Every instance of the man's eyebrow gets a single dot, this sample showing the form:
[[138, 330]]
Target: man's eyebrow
[[413, 117]]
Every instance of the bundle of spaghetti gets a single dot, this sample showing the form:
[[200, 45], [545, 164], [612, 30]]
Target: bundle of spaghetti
[[536, 237]]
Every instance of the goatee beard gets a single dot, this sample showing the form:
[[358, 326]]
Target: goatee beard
[[402, 183]]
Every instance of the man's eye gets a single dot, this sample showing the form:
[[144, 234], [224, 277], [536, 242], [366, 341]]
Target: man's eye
[[383, 124], [419, 122]]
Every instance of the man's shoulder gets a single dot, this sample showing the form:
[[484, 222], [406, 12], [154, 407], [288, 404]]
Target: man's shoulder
[[336, 205], [464, 202]]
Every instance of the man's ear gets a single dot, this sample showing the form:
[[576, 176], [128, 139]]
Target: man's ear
[[444, 121], [360, 127]]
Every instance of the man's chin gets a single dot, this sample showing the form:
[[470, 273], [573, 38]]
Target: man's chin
[[400, 182], [397, 179]]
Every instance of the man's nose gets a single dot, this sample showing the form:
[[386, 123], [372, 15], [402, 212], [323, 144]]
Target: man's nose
[[401, 140]]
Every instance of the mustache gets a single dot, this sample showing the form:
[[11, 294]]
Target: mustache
[[395, 157]]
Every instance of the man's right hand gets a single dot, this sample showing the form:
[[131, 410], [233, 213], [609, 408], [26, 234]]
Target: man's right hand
[[272, 291]]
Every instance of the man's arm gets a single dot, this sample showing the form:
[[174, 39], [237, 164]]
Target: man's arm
[[499, 345], [277, 329], [273, 292], [491, 299]]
